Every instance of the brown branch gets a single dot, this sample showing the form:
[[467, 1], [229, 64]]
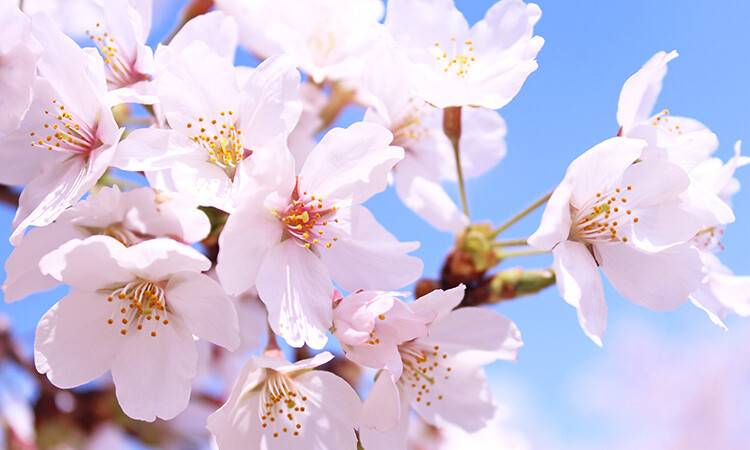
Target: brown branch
[[8, 196]]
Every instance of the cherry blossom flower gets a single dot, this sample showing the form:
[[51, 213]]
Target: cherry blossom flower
[[68, 136], [370, 325], [442, 376], [121, 39], [417, 127], [19, 53], [721, 292], [325, 38], [455, 65], [681, 140], [135, 310], [218, 125], [279, 405], [310, 229], [130, 217], [628, 217]]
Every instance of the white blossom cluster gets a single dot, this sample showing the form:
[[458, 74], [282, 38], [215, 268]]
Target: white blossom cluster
[[298, 250]]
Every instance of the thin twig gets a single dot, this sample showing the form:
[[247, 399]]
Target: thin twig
[[525, 212], [452, 129]]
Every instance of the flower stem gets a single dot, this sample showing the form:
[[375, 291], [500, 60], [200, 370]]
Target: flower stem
[[519, 253], [510, 243], [525, 212], [452, 129]]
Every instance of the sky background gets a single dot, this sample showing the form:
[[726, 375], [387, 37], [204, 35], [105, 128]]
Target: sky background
[[567, 106]]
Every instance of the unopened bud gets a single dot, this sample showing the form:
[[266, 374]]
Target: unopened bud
[[517, 282]]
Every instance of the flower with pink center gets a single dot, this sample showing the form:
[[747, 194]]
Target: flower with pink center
[[68, 136], [120, 36], [296, 234], [130, 217], [219, 120], [452, 64], [370, 325], [279, 405], [19, 52], [631, 218], [135, 310], [442, 377]]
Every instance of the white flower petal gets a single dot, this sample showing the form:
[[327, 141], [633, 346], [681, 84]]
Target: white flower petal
[[207, 311], [297, 290], [88, 264], [438, 304], [370, 257], [22, 266], [381, 410], [241, 252], [581, 286], [478, 335], [640, 91], [350, 164], [74, 344], [153, 375], [157, 259], [659, 281], [600, 167]]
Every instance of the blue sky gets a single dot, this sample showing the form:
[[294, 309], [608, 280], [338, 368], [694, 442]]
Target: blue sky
[[567, 106]]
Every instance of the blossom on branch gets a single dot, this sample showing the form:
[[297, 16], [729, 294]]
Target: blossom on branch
[[431, 356], [302, 230], [130, 217], [280, 405], [135, 310], [631, 218], [68, 136]]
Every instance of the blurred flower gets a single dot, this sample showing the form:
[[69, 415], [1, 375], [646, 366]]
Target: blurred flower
[[279, 405], [68, 137], [310, 229], [454, 65], [609, 212], [135, 311], [325, 38], [130, 217]]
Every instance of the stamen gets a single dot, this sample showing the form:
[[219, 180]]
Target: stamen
[[138, 300]]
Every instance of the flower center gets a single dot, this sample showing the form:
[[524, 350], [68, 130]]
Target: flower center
[[64, 131], [281, 405], [662, 121], [410, 127], [605, 217], [117, 231], [120, 67], [306, 218], [709, 238], [456, 58], [221, 139], [424, 369], [140, 306]]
